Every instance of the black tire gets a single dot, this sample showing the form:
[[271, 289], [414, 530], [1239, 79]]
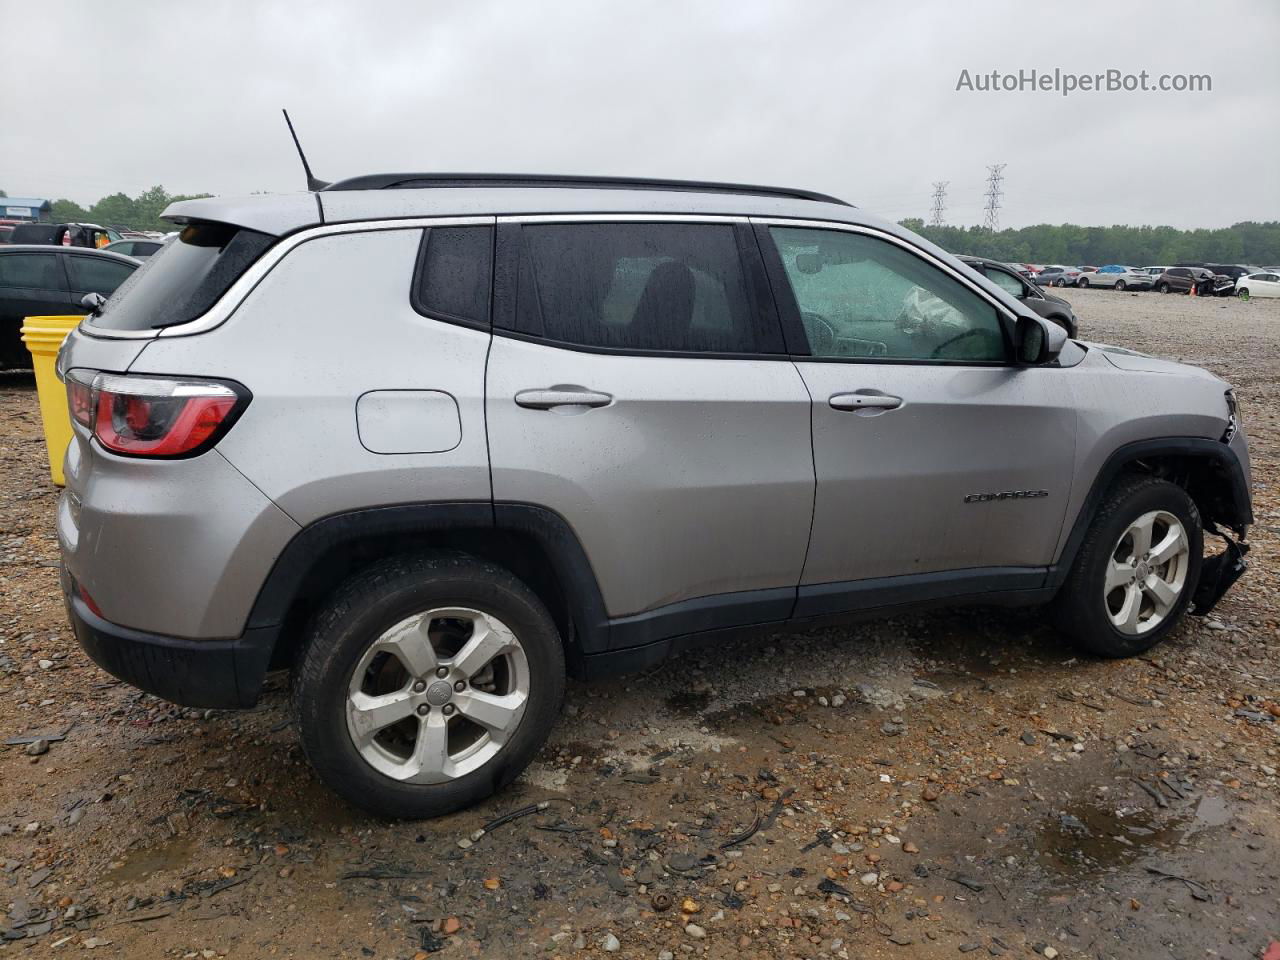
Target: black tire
[[357, 614], [1243, 293], [1120, 285], [1163, 288], [1060, 282], [1082, 282], [1080, 605]]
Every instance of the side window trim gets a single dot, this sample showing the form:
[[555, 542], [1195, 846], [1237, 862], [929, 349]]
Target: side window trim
[[789, 310], [506, 279]]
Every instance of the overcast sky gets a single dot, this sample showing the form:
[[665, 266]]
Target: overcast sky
[[853, 98]]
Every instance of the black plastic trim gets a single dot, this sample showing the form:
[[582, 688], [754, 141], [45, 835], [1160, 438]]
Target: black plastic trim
[[1137, 451], [193, 673], [702, 614], [385, 181], [825, 599]]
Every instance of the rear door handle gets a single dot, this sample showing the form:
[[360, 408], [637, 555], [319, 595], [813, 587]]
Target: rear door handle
[[864, 401], [553, 397]]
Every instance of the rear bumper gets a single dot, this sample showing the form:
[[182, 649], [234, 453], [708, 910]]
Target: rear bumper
[[193, 673]]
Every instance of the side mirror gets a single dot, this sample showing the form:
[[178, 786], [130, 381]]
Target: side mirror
[[92, 302], [1037, 341]]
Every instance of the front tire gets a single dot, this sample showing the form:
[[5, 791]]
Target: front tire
[[1136, 571], [1243, 293], [1163, 288], [1082, 282], [427, 684], [1120, 285]]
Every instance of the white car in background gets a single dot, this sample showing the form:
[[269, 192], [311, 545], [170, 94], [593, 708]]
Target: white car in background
[[1265, 284], [1118, 278]]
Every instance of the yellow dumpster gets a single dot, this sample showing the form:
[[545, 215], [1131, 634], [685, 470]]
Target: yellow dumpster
[[43, 336]]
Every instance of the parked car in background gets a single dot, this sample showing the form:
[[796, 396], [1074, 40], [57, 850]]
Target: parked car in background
[[1154, 273], [1087, 269], [135, 248], [38, 279], [64, 234], [1182, 279], [1046, 305], [1117, 277], [1058, 276], [1263, 284], [6, 231]]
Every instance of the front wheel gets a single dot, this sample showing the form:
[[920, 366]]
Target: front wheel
[[1060, 282], [1243, 293], [1082, 282], [1136, 571], [1119, 284], [427, 684], [1163, 287]]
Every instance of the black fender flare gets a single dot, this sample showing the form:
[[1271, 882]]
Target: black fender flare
[[1130, 453], [550, 531]]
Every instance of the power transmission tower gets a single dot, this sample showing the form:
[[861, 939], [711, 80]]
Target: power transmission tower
[[939, 202], [995, 173]]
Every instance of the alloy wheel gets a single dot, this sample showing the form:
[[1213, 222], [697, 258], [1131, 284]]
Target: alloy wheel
[[1147, 573], [436, 696]]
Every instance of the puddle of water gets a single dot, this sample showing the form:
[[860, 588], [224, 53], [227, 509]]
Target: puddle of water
[[171, 855]]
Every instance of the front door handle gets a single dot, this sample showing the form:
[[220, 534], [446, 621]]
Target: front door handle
[[558, 396], [864, 401]]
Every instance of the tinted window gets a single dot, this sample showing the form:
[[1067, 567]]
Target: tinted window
[[861, 296], [34, 233], [97, 274], [455, 267], [641, 286], [38, 270], [184, 279], [145, 249]]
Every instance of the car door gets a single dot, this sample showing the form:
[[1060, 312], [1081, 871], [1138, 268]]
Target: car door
[[638, 386], [941, 466], [31, 284]]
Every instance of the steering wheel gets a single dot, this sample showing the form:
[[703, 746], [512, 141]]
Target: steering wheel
[[937, 351], [822, 335]]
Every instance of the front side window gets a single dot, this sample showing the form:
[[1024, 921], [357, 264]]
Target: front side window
[[860, 296], [97, 274], [670, 287], [1006, 281], [455, 270], [38, 271]]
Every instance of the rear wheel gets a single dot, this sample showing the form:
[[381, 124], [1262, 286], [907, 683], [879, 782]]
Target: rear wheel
[[428, 684], [1163, 287], [1136, 570], [1119, 284], [1060, 282]]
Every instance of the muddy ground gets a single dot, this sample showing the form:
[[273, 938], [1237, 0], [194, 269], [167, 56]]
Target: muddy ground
[[948, 784]]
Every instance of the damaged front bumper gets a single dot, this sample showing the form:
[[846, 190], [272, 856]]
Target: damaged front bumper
[[1219, 573]]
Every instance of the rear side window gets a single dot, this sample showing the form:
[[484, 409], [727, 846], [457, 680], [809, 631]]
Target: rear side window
[[454, 274], [668, 287], [39, 271], [97, 274], [184, 279]]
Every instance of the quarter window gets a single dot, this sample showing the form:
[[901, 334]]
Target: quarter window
[[860, 296], [36, 270], [669, 287], [455, 269]]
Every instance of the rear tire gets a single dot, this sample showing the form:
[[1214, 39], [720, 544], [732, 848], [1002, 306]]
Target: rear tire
[[434, 642], [1120, 285], [1125, 593]]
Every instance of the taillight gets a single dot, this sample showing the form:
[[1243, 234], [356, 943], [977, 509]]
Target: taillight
[[153, 416]]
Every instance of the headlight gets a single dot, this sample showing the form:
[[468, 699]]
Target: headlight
[[1233, 416]]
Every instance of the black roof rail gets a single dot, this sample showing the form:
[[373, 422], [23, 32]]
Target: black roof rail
[[386, 181]]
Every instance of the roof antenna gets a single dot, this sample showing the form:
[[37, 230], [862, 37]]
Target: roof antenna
[[313, 183]]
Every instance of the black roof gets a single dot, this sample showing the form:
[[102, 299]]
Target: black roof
[[386, 181]]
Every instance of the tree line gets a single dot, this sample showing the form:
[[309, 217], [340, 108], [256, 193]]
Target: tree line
[[1250, 243]]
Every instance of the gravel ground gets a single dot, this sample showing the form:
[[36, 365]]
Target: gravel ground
[[937, 785]]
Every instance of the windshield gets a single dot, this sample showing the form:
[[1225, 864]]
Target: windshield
[[184, 278]]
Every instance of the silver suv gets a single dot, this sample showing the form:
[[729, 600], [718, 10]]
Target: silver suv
[[434, 442]]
